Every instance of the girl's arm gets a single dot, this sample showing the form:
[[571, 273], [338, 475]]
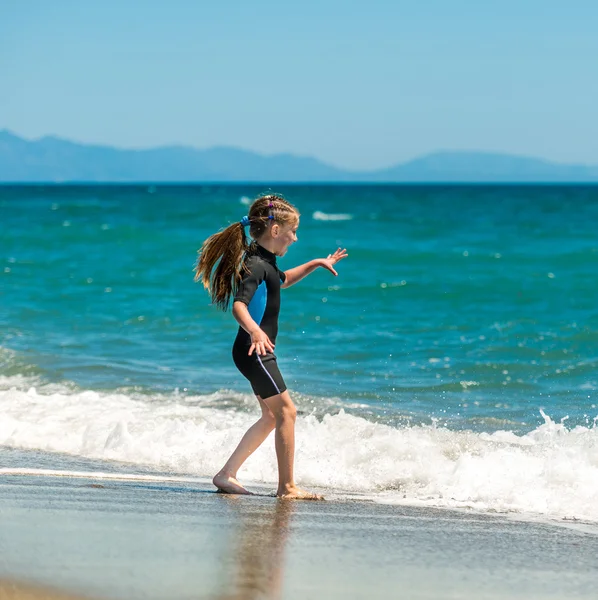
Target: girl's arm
[[260, 342], [298, 273]]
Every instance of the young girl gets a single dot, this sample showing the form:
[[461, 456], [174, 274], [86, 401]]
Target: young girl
[[229, 267]]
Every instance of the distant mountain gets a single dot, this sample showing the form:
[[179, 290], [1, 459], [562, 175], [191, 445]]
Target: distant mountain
[[51, 159], [54, 159], [486, 167]]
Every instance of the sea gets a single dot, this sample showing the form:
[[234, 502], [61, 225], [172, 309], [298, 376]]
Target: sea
[[453, 362]]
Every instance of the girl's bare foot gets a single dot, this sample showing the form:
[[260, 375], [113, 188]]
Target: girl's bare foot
[[228, 485], [295, 493]]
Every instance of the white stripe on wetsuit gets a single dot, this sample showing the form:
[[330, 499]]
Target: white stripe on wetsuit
[[268, 374]]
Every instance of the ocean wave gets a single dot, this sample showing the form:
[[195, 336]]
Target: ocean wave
[[551, 471], [322, 216]]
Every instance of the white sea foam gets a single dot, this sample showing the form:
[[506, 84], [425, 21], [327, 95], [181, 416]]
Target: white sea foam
[[322, 216], [551, 471]]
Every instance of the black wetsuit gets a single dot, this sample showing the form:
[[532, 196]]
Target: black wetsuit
[[260, 291]]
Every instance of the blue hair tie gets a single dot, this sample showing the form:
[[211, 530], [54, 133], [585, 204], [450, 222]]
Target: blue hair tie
[[245, 221]]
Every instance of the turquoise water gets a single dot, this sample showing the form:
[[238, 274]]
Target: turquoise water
[[473, 305], [453, 361]]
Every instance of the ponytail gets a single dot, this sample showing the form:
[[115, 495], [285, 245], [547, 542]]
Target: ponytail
[[220, 258], [219, 263]]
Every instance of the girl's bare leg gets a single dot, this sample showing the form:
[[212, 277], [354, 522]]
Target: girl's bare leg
[[226, 479], [285, 413]]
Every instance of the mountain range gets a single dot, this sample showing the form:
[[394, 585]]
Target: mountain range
[[52, 159]]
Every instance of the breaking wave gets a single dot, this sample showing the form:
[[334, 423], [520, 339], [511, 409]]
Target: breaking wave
[[550, 471]]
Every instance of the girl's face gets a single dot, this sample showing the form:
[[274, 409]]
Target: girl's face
[[283, 236]]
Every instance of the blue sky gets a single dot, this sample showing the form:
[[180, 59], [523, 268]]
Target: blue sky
[[358, 84]]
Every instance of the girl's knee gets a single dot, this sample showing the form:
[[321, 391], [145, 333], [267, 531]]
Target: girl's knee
[[268, 419], [282, 407], [288, 411], [291, 412]]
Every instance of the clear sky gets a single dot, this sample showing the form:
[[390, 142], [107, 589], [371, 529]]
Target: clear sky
[[357, 84]]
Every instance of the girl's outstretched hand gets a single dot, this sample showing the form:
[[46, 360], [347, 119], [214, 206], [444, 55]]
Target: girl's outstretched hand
[[260, 342], [332, 259]]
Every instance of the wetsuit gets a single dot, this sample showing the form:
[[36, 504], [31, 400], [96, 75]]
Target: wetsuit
[[260, 291]]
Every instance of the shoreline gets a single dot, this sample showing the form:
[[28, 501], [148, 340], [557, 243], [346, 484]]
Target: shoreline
[[111, 474]]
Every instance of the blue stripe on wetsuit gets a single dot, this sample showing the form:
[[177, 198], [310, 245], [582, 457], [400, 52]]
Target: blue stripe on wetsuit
[[259, 290], [257, 306]]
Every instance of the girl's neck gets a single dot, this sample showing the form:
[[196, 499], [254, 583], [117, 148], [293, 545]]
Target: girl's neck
[[268, 244]]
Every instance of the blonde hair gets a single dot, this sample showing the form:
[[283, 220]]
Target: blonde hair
[[220, 258]]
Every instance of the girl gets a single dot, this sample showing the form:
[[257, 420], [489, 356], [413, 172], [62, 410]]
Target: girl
[[229, 267]]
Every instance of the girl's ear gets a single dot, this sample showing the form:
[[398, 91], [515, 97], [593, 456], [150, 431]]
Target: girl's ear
[[275, 230]]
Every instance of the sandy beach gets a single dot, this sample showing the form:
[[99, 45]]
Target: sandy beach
[[87, 534], [15, 590]]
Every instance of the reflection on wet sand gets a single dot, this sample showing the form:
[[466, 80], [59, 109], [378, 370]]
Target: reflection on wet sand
[[255, 566]]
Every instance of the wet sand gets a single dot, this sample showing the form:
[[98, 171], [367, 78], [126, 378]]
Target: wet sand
[[167, 540]]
